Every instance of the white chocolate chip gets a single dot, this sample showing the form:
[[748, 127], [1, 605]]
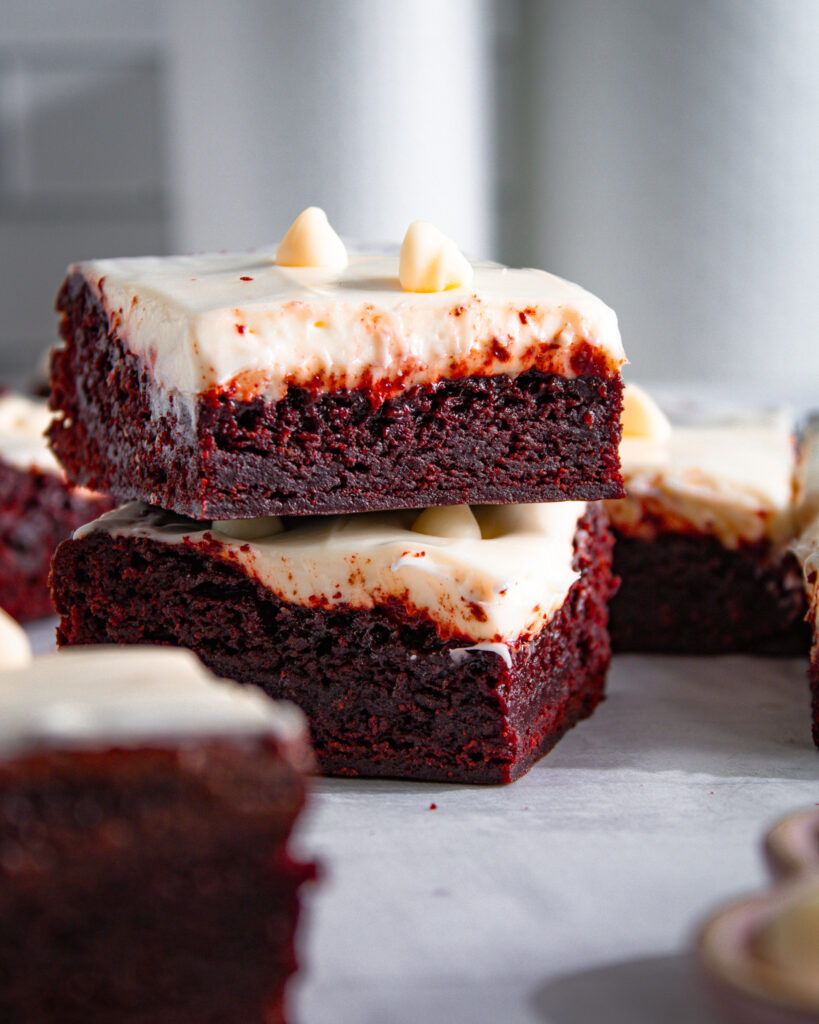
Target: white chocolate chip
[[311, 242], [501, 520], [431, 262], [249, 529], [642, 417], [15, 649], [448, 521], [791, 938]]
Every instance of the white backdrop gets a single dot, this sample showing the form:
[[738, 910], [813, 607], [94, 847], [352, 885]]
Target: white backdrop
[[676, 172], [664, 153], [376, 110]]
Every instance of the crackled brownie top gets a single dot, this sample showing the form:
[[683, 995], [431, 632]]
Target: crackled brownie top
[[240, 322], [129, 696], [23, 422], [713, 469], [489, 573]]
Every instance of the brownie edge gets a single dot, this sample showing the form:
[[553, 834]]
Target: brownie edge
[[687, 594], [149, 884]]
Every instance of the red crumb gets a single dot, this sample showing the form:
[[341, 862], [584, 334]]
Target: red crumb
[[433, 807], [240, 328], [245, 278]]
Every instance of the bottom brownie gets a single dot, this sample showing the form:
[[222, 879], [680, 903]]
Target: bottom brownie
[[687, 594], [384, 694], [38, 510]]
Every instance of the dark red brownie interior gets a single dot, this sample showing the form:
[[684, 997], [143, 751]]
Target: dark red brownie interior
[[37, 511], [383, 695], [148, 886], [687, 594], [497, 439]]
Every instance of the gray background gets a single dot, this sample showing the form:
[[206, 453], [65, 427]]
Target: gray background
[[664, 153]]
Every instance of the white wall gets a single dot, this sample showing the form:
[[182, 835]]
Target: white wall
[[379, 111], [665, 153], [675, 171], [81, 163]]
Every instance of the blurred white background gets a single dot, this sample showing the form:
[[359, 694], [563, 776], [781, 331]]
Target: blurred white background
[[664, 153]]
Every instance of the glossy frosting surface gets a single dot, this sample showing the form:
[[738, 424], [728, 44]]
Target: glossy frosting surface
[[97, 697], [237, 321], [722, 471], [493, 588]]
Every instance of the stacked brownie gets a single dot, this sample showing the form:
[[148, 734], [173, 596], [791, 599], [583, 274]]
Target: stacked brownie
[[363, 483]]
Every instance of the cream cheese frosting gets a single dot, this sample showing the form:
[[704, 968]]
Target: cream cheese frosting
[[727, 472], [491, 589], [15, 647], [23, 422], [99, 697], [238, 321]]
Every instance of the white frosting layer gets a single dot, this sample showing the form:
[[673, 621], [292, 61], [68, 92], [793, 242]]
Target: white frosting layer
[[728, 473], [238, 321], [99, 697], [23, 422], [15, 648], [495, 588]]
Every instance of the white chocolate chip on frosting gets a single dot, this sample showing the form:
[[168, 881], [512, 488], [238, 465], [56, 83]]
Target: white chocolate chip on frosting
[[311, 242], [15, 649], [642, 417], [431, 262], [249, 529], [456, 521]]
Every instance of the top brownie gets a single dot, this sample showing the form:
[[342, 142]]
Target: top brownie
[[229, 386]]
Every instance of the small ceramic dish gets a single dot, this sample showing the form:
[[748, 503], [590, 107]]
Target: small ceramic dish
[[760, 955]]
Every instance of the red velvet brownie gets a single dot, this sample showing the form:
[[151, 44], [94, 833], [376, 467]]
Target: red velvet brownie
[[38, 507], [702, 535], [230, 386], [145, 808], [806, 550], [456, 645]]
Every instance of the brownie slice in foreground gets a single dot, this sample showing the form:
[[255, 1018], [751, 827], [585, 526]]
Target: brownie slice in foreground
[[38, 507], [456, 645], [703, 534], [225, 386], [145, 808]]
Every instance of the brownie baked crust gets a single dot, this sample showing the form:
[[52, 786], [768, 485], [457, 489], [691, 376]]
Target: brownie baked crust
[[148, 886], [687, 594], [498, 439], [383, 693], [37, 512]]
